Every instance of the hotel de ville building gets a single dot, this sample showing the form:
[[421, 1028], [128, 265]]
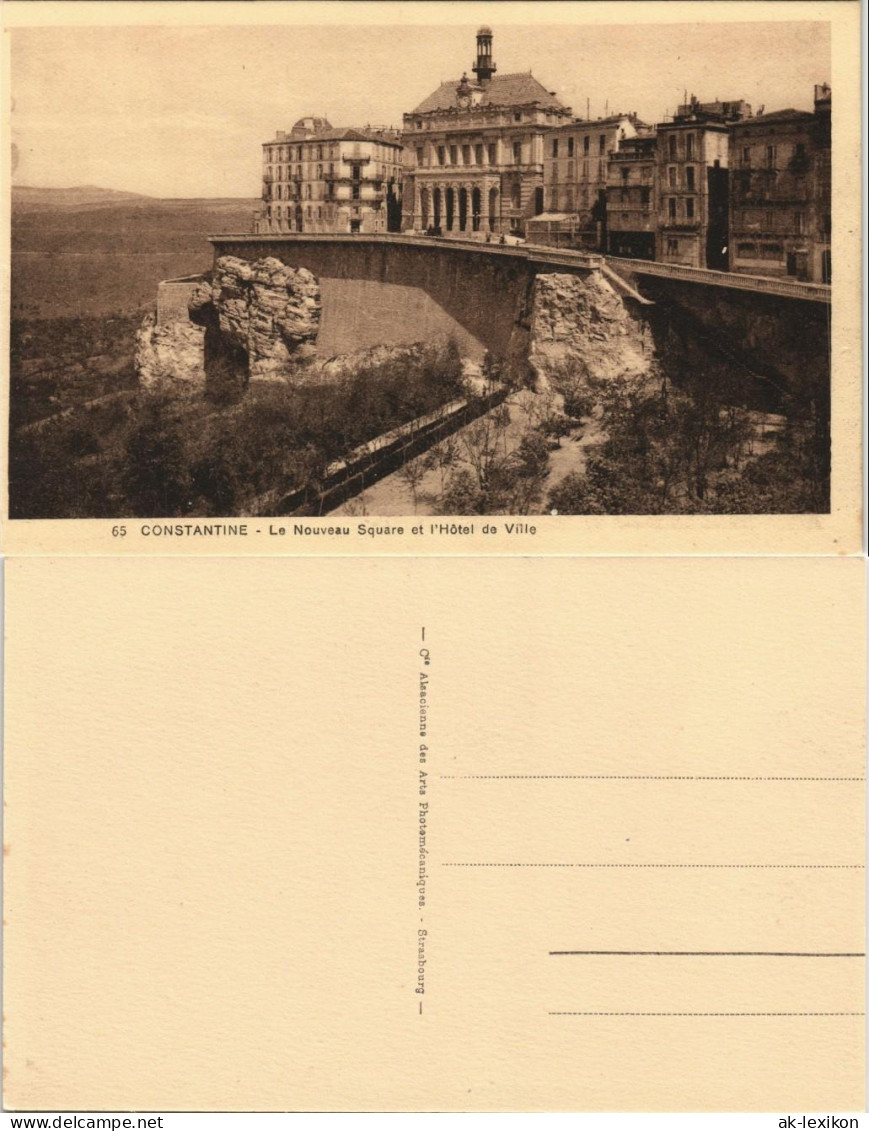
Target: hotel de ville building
[[474, 151]]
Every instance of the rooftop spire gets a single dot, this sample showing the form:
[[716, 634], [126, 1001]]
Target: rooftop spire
[[484, 68]]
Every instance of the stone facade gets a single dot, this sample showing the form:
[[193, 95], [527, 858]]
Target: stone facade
[[693, 156], [474, 152], [631, 198], [317, 178], [575, 172], [780, 214]]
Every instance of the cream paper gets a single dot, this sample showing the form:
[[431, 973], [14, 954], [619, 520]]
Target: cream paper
[[216, 817], [638, 858]]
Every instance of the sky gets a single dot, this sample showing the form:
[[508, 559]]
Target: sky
[[182, 111]]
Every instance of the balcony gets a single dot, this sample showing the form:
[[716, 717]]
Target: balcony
[[472, 169], [631, 206], [343, 178]]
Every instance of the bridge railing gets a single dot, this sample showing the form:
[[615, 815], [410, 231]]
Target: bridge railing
[[818, 292], [528, 252], [560, 257]]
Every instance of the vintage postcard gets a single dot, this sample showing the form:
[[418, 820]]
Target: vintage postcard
[[525, 834], [435, 666], [433, 278]]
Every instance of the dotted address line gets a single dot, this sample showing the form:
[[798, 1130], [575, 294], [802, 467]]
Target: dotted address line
[[487, 864], [577, 1013], [630, 777]]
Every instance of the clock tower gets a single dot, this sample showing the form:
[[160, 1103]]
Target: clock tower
[[464, 93]]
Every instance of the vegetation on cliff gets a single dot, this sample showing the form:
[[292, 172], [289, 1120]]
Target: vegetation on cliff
[[146, 454], [57, 364], [668, 449]]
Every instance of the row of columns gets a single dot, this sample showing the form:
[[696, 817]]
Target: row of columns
[[458, 208]]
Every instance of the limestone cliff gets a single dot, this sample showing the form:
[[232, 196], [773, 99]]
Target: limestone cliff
[[170, 356], [269, 311], [582, 326]]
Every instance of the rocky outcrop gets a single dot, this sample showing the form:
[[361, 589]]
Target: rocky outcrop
[[269, 311], [248, 321], [343, 365], [169, 356], [580, 328]]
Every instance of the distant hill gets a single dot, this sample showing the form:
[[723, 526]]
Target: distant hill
[[27, 197], [78, 255]]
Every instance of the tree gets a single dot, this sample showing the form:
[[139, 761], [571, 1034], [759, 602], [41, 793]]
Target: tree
[[480, 442], [684, 451], [156, 474], [442, 457], [555, 427], [462, 495], [412, 473], [516, 482]]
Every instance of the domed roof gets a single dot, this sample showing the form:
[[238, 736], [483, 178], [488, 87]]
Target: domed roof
[[484, 30], [311, 125]]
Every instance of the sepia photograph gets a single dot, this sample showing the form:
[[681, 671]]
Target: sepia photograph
[[435, 583], [452, 270]]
